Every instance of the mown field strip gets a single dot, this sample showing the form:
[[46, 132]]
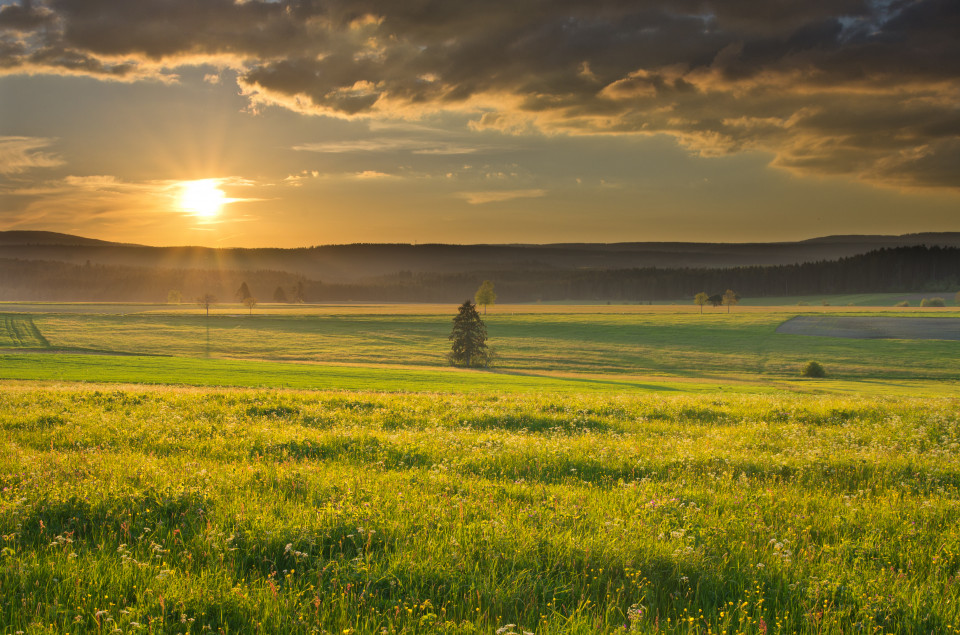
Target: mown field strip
[[65, 367], [19, 331]]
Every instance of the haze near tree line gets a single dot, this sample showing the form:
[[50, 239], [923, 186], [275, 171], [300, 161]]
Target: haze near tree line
[[295, 123]]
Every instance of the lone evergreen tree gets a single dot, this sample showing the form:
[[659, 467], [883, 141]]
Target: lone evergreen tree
[[485, 295], [279, 295], [469, 337]]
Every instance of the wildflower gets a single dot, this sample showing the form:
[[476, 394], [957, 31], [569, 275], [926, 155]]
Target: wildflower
[[634, 614]]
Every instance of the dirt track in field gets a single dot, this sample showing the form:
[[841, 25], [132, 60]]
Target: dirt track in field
[[870, 327]]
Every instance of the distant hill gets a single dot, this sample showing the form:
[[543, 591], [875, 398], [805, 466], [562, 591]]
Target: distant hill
[[884, 270], [47, 239], [363, 262], [930, 239]]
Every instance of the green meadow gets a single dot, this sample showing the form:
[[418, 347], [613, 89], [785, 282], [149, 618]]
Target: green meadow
[[324, 471], [677, 343]]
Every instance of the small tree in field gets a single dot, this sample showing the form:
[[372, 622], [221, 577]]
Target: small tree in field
[[206, 301], [730, 298], [715, 300], [174, 297], [700, 299], [279, 295], [250, 302], [485, 295], [469, 337], [814, 369]]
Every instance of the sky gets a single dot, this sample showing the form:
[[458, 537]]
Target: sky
[[253, 123]]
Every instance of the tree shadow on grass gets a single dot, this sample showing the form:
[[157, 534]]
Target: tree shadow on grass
[[78, 521], [635, 385], [356, 450]]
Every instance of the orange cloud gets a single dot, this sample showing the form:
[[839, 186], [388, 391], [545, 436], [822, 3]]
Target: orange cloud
[[19, 154], [499, 196]]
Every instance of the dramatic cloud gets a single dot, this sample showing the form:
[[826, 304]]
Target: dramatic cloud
[[19, 154], [863, 88]]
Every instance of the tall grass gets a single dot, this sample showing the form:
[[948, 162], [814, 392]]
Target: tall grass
[[198, 510]]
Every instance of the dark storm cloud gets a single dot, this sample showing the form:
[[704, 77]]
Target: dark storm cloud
[[858, 87], [24, 16]]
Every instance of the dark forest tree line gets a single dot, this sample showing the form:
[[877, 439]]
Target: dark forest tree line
[[903, 269], [47, 280], [895, 270]]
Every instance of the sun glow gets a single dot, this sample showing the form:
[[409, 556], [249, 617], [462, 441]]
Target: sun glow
[[203, 198]]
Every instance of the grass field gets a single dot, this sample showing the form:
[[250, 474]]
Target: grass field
[[678, 343], [18, 331], [643, 470], [247, 511]]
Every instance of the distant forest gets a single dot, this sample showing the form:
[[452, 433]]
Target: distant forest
[[887, 270]]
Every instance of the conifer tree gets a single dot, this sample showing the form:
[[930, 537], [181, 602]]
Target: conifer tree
[[243, 292], [469, 337]]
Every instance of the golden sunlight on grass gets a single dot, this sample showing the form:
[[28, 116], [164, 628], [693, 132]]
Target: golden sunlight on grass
[[203, 197]]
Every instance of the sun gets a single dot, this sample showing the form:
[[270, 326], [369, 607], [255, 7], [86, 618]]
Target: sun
[[203, 198]]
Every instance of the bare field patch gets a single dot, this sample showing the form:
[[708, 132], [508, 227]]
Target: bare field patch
[[873, 327]]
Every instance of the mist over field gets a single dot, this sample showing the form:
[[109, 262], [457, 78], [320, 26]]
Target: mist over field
[[53, 267]]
